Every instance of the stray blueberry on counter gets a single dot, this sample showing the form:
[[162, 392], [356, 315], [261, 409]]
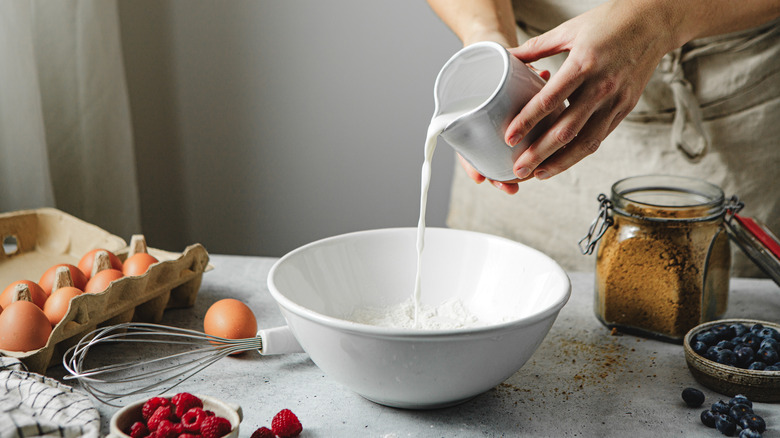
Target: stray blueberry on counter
[[738, 411], [748, 433], [693, 397], [720, 407], [753, 422], [740, 399], [725, 425], [708, 418]]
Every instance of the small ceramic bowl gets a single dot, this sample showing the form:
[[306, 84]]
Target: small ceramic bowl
[[125, 417], [760, 386]]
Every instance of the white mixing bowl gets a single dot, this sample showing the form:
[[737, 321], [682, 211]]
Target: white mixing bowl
[[517, 289]]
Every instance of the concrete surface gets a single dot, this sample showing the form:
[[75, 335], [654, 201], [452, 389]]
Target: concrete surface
[[581, 382]]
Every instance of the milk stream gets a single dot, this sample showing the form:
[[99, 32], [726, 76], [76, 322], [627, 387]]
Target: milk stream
[[437, 125]]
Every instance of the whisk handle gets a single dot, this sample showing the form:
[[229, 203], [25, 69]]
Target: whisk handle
[[278, 340]]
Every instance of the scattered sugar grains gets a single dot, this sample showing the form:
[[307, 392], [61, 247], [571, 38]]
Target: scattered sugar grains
[[451, 314]]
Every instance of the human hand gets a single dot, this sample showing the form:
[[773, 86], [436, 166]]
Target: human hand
[[613, 51]]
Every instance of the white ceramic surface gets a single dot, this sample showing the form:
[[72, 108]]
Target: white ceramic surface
[[125, 417], [319, 284], [500, 85]]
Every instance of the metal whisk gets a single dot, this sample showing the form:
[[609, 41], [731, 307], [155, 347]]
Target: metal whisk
[[159, 374]]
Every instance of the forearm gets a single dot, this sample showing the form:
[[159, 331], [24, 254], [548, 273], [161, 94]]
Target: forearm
[[478, 20], [691, 19]]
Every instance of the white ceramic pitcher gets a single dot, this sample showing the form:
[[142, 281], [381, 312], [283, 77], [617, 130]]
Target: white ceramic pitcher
[[490, 86]]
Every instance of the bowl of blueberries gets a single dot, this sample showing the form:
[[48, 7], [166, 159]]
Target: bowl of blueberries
[[735, 356]]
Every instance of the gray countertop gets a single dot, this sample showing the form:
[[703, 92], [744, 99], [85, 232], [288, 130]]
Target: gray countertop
[[582, 381]]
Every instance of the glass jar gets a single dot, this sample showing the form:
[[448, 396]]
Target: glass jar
[[663, 257]]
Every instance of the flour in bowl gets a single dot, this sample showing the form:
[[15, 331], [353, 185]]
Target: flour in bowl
[[451, 314]]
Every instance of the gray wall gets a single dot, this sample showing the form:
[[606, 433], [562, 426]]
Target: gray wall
[[263, 125]]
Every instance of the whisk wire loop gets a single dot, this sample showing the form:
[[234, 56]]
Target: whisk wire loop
[[158, 374]]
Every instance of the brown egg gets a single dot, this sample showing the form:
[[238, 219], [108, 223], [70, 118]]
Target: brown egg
[[138, 263], [56, 306], [23, 327], [231, 319], [87, 262], [47, 279], [38, 295], [102, 280]]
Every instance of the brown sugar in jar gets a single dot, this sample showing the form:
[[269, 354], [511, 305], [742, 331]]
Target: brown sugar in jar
[[663, 266]]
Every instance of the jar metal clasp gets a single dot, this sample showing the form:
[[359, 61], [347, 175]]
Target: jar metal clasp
[[598, 227]]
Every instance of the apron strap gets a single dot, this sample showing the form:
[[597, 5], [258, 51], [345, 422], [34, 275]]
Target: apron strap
[[688, 133]]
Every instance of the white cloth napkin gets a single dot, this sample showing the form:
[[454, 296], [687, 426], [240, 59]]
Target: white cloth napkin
[[32, 405]]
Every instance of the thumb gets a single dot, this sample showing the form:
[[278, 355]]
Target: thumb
[[542, 46]]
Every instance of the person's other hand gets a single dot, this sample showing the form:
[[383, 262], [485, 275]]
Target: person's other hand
[[613, 51]]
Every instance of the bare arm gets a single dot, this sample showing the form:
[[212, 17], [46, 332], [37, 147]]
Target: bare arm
[[613, 51], [478, 20]]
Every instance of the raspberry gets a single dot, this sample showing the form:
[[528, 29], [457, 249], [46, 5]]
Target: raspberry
[[167, 429], [215, 427], [162, 413], [185, 401], [263, 432], [285, 424], [192, 420], [151, 405], [138, 430], [189, 435]]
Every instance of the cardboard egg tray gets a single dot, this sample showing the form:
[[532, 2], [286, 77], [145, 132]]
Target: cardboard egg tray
[[34, 240]]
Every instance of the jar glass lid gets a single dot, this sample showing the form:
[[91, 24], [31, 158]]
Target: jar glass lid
[[757, 241]]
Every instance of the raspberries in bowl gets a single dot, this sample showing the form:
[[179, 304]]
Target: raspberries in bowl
[[178, 415]]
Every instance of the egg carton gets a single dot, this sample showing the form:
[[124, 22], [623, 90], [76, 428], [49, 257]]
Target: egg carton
[[34, 240]]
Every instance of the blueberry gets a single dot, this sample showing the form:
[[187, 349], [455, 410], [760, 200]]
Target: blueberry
[[757, 365], [745, 356], [770, 342], [774, 367], [739, 329], [728, 345], [725, 425], [753, 422], [720, 407], [708, 418], [747, 433], [755, 328], [768, 355], [722, 331], [752, 340], [708, 337], [769, 333], [693, 397], [712, 353], [738, 411], [700, 348], [740, 399], [726, 357]]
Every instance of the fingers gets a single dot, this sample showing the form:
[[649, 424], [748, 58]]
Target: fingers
[[471, 171], [600, 124], [509, 187], [548, 100]]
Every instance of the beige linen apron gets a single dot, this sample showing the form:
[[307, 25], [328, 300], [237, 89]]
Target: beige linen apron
[[711, 111]]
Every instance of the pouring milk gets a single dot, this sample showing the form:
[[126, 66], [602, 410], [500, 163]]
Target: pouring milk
[[477, 93]]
